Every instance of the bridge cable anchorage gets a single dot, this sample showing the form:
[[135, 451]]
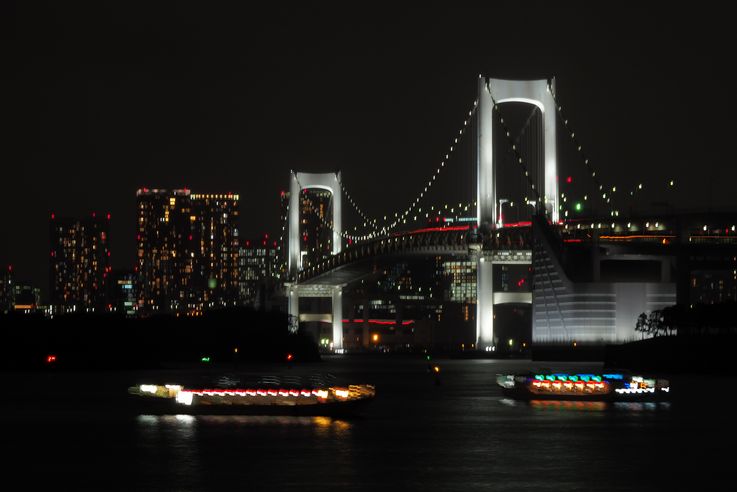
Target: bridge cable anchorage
[[516, 152], [402, 218], [600, 188]]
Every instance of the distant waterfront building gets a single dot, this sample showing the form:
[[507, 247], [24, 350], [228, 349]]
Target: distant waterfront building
[[259, 270], [26, 298], [713, 286], [6, 290], [187, 259], [122, 293], [316, 224], [79, 262], [165, 253], [214, 246], [461, 281]]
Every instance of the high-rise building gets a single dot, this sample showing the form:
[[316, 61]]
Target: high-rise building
[[79, 263], [122, 293], [260, 270], [165, 256], [316, 222], [6, 290], [214, 246], [187, 251]]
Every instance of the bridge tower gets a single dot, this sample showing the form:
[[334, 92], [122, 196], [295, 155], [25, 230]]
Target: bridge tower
[[331, 183], [491, 91]]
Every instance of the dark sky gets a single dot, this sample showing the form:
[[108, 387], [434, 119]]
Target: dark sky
[[99, 100]]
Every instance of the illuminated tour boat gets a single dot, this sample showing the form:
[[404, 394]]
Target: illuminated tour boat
[[591, 387], [263, 399]]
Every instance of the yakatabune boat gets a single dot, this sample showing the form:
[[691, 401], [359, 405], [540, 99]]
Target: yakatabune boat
[[594, 387], [259, 399]]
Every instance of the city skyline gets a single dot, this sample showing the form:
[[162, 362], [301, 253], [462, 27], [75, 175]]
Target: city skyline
[[178, 103]]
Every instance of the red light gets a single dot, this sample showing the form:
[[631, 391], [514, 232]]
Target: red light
[[275, 244], [53, 215], [10, 268], [108, 253], [437, 219], [108, 216], [521, 282], [50, 359], [53, 254], [290, 357], [350, 241], [569, 179], [94, 215], [282, 193], [248, 244], [190, 237], [266, 236], [263, 242]]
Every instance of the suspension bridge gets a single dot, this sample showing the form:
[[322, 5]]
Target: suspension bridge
[[548, 220]]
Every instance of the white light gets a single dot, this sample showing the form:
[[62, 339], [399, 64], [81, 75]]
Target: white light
[[184, 397]]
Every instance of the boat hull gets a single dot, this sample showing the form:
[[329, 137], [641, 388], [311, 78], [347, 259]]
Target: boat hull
[[525, 394], [161, 406]]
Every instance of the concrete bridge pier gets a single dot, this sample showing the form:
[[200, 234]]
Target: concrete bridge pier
[[337, 318], [485, 304]]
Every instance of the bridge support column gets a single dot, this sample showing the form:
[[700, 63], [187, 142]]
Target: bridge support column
[[293, 308], [337, 318], [486, 182], [484, 304]]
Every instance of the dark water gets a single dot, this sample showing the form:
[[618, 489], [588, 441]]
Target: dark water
[[70, 431]]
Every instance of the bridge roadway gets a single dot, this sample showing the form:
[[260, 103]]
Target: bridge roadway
[[511, 244], [330, 277]]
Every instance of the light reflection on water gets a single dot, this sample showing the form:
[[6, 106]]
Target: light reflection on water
[[590, 406], [244, 420]]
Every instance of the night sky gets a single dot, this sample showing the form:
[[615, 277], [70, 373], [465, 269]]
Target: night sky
[[99, 100]]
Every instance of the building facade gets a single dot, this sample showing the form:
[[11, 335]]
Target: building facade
[[214, 244], [6, 290], [79, 262], [165, 256]]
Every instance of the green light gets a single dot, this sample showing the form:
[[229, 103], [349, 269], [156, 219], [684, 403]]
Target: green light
[[205, 359], [578, 206]]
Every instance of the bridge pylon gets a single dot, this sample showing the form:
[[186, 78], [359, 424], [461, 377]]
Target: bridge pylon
[[493, 92]]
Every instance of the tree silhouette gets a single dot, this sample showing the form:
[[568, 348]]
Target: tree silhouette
[[642, 324]]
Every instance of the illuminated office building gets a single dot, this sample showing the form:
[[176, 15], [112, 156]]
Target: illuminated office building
[[260, 270], [79, 262], [214, 248], [165, 254]]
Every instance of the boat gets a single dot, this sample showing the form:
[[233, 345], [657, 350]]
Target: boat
[[607, 387], [269, 396]]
